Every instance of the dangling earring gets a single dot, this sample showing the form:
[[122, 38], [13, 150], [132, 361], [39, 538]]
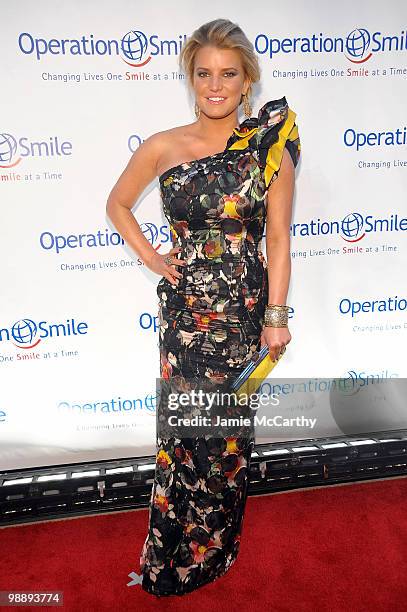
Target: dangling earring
[[197, 110], [246, 106]]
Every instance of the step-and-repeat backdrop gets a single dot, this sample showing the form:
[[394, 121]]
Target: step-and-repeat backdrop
[[82, 85]]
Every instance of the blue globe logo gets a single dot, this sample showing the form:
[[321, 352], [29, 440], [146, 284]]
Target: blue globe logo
[[352, 226], [8, 148], [357, 43], [134, 45], [150, 231], [24, 331], [348, 384]]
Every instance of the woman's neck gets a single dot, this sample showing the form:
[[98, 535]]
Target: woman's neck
[[214, 129]]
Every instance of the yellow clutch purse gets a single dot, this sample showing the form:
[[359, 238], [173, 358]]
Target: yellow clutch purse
[[258, 368]]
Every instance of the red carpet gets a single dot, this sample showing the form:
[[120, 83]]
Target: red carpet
[[334, 548]]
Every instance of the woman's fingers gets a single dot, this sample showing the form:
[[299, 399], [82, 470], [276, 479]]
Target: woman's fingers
[[175, 260], [172, 274], [277, 350], [274, 351], [173, 271]]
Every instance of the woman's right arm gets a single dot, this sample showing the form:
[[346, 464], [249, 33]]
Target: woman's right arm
[[138, 174]]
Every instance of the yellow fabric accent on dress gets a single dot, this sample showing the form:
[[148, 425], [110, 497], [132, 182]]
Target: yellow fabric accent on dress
[[275, 154], [244, 142]]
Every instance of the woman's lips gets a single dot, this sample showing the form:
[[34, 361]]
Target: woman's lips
[[216, 101]]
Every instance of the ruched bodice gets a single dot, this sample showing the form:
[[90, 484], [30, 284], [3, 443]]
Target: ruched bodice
[[216, 207]]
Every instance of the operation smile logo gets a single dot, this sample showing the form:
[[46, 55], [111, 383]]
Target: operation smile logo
[[27, 334], [13, 150], [137, 49], [134, 48], [353, 382], [62, 242], [358, 46], [352, 228], [363, 401]]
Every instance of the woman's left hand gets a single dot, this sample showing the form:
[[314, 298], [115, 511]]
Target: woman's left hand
[[276, 338]]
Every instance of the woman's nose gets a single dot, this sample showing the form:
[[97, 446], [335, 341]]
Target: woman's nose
[[215, 84]]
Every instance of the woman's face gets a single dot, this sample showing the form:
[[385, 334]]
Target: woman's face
[[218, 81]]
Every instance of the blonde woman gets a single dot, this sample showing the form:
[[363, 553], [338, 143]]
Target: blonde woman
[[221, 183]]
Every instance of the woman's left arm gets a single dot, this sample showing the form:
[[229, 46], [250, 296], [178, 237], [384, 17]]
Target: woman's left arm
[[279, 211]]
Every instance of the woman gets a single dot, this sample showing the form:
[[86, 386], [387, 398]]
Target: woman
[[219, 301]]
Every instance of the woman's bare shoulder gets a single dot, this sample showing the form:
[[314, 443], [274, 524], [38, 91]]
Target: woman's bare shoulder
[[168, 144], [165, 137]]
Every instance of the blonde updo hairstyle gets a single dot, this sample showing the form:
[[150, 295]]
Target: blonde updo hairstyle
[[223, 34]]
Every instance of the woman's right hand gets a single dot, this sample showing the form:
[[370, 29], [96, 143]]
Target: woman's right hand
[[159, 266]]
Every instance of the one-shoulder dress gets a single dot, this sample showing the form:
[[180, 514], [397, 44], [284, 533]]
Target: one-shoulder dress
[[209, 328]]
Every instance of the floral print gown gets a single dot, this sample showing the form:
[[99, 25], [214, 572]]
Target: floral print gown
[[209, 328]]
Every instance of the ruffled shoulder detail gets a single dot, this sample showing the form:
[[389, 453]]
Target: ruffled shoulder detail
[[276, 129], [273, 129], [244, 136]]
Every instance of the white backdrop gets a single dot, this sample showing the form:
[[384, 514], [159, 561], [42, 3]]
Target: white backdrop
[[78, 337]]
